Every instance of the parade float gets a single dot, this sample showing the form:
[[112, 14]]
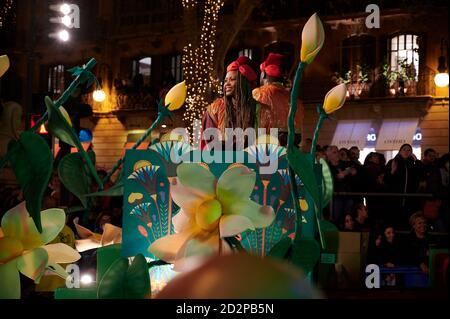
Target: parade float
[[195, 224]]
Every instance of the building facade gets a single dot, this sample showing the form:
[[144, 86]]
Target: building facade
[[139, 43]]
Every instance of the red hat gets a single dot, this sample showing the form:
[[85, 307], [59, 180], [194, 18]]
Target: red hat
[[242, 64], [272, 65]]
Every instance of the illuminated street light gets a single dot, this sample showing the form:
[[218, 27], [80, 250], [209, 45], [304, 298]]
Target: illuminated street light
[[70, 19], [65, 9], [67, 21], [99, 96], [63, 35], [441, 79]]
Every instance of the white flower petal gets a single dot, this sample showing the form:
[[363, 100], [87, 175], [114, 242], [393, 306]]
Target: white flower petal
[[111, 235], [87, 244], [236, 182], [231, 225], [53, 221], [260, 216], [167, 248], [61, 253], [181, 221], [186, 198], [83, 232]]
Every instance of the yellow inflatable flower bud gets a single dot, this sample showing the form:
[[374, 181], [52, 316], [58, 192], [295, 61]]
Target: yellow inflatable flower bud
[[176, 96], [4, 64], [66, 115], [335, 98], [313, 37]]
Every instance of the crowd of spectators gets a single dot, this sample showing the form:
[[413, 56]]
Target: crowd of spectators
[[399, 203]]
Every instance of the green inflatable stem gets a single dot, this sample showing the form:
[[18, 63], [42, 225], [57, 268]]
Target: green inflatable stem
[[290, 143], [67, 93], [322, 118], [136, 145]]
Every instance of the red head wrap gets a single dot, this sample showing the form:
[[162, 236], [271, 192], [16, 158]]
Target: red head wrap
[[272, 65], [242, 64]]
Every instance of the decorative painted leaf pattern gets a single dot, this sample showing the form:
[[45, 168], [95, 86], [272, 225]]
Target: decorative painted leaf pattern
[[172, 153], [146, 177], [151, 218]]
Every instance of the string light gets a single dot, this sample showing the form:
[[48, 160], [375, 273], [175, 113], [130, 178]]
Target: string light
[[198, 66], [189, 4], [4, 10]]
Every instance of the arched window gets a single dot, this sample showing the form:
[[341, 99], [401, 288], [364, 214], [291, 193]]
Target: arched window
[[144, 67], [246, 52], [358, 50], [176, 67], [56, 79], [403, 50]]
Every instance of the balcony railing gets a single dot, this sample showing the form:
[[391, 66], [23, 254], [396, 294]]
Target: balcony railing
[[134, 101]]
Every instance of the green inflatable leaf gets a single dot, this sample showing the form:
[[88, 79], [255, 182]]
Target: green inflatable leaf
[[59, 126], [302, 163], [73, 175], [112, 284], [305, 254], [137, 284], [328, 226], [123, 281], [113, 191], [31, 161], [281, 249], [327, 183]]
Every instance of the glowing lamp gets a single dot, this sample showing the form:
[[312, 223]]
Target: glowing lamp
[[99, 96]]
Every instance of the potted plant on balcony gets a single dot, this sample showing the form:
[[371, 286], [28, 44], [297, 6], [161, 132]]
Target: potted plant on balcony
[[358, 84], [402, 81]]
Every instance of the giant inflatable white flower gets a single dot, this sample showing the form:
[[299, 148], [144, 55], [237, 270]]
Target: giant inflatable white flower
[[211, 210], [23, 249]]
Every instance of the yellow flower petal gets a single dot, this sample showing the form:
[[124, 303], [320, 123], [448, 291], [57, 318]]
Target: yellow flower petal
[[4, 64], [335, 98], [33, 263], [10, 248], [176, 96], [65, 115], [313, 37], [17, 223]]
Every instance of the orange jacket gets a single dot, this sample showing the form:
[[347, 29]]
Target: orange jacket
[[274, 102]]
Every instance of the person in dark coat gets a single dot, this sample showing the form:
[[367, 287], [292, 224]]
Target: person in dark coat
[[402, 176]]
